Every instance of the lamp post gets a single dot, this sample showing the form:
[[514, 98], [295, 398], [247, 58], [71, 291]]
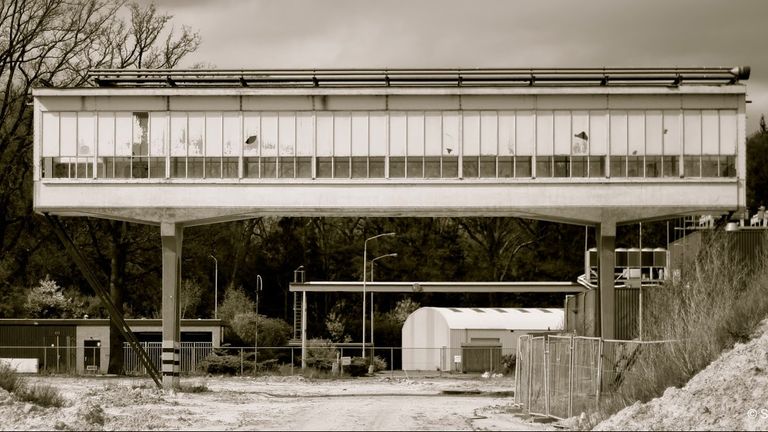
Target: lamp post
[[215, 287], [365, 265], [259, 285], [394, 254]]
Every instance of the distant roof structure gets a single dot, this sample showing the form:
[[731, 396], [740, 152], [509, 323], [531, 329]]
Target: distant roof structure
[[499, 318], [345, 78]]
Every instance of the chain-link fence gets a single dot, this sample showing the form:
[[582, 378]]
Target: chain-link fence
[[558, 376]]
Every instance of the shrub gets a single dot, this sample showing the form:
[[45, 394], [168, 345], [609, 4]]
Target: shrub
[[198, 387], [320, 354], [379, 364], [9, 379], [508, 362], [224, 365], [359, 367], [41, 394]]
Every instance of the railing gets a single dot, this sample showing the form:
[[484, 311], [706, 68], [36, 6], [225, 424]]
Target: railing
[[559, 376], [191, 354]]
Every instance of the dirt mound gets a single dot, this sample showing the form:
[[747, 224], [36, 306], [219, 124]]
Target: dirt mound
[[729, 394]]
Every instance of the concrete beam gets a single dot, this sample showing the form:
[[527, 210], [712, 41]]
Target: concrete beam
[[445, 287]]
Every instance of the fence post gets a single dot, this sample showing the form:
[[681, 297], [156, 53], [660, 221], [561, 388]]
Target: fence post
[[546, 376], [241, 362], [392, 360], [291, 361], [490, 360], [599, 372], [517, 370], [530, 371], [570, 378]]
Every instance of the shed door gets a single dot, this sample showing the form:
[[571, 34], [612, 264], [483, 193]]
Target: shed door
[[481, 358]]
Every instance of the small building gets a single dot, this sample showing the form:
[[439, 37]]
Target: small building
[[82, 345], [470, 339]]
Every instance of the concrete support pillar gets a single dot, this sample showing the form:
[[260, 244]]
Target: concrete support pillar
[[606, 246], [171, 235]]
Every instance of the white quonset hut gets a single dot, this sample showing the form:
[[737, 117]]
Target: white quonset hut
[[470, 339]]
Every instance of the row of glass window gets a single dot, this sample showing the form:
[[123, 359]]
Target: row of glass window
[[398, 167]]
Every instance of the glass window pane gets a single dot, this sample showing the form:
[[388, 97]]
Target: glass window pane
[[232, 136], [728, 132], [195, 142], [140, 167], [251, 167], [251, 134], [545, 134], [432, 167], [229, 167], [523, 166], [634, 166], [580, 133], [671, 132], [287, 133], [433, 134], [710, 137], [51, 134], [86, 134], [303, 167], [195, 168], [213, 134], [727, 166], [579, 166], [341, 167], [378, 126], [324, 134], [359, 134], [507, 133], [287, 168], [123, 167], [489, 133], [487, 167], [692, 132], [158, 126], [123, 134], [359, 167], [618, 134], [544, 166], [396, 167], [305, 133], [597, 166], [709, 166], [269, 134], [178, 167], [525, 133], [562, 166], [376, 167], [415, 167], [157, 167], [342, 135], [268, 169], [506, 166], [471, 133], [68, 128], [562, 132], [654, 125], [598, 133], [178, 134], [653, 166], [213, 167], [140, 134], [450, 133], [671, 166], [324, 167], [469, 166], [636, 133], [692, 166], [618, 166], [450, 167]]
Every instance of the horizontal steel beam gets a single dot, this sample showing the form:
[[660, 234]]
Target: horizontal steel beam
[[444, 287]]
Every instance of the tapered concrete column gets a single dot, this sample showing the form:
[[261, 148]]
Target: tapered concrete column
[[606, 246], [171, 235]]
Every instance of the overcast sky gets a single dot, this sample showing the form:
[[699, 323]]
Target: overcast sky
[[483, 33]]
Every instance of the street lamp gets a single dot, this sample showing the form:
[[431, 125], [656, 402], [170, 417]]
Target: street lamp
[[259, 285], [215, 287], [394, 254], [365, 266]]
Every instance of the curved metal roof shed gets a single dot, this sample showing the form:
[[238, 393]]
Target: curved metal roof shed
[[470, 339]]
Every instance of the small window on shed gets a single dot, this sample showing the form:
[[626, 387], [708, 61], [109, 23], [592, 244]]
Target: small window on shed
[[478, 310], [455, 310]]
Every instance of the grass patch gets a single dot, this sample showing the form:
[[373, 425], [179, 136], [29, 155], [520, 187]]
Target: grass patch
[[9, 379], [198, 387], [41, 394]]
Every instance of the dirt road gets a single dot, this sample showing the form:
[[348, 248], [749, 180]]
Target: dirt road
[[270, 403]]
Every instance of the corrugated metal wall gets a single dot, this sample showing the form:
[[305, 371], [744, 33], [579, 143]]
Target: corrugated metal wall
[[43, 342]]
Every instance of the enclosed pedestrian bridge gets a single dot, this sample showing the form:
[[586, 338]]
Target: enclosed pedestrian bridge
[[199, 146], [598, 147]]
